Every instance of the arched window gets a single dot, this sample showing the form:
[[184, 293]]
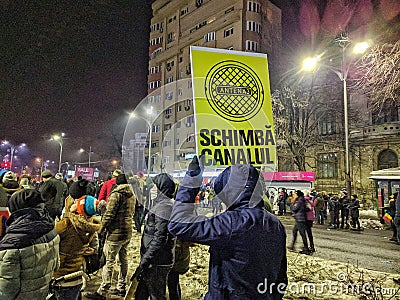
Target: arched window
[[387, 159]]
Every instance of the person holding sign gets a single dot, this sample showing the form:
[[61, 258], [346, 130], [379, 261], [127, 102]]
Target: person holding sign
[[247, 243]]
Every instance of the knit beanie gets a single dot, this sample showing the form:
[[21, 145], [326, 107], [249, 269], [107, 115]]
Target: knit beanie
[[46, 174], [24, 198], [87, 206], [79, 188], [9, 176]]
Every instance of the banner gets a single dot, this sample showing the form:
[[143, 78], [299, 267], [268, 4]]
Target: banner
[[85, 173], [233, 109]]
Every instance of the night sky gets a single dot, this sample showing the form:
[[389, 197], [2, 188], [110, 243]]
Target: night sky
[[68, 68], [81, 68]]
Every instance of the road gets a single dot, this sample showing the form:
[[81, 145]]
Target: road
[[370, 249]]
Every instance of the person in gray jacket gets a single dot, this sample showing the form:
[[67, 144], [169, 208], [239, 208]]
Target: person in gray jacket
[[29, 252]]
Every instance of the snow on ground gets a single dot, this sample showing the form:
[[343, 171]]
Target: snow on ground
[[309, 277]]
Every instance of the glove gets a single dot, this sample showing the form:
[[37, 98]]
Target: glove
[[196, 166]]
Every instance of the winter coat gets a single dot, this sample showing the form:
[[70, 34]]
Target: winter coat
[[182, 257], [157, 245], [310, 214], [247, 243], [319, 204], [354, 205], [76, 232], [6, 190], [117, 220], [299, 209], [106, 189], [53, 193], [29, 254]]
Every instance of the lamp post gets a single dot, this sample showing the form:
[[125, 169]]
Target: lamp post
[[310, 64], [13, 149], [88, 152], [59, 140], [149, 112]]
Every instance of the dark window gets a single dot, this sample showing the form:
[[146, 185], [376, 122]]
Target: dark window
[[328, 124], [327, 164]]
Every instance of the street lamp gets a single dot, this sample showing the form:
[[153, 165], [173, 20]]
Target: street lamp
[[149, 113], [59, 140], [88, 152], [12, 149], [310, 65]]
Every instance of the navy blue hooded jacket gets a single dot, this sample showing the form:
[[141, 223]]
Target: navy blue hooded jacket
[[247, 243]]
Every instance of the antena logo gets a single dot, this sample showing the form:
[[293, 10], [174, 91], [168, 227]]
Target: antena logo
[[234, 91]]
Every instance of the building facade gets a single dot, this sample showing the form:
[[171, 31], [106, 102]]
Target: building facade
[[176, 25]]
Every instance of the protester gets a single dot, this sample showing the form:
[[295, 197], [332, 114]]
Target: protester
[[298, 209], [397, 217], [354, 205], [138, 187], [108, 185], [77, 229], [9, 185], [52, 191], [397, 224], [334, 208], [344, 210], [59, 176], [247, 243], [117, 224], [310, 216], [29, 251], [157, 245], [392, 211], [319, 209]]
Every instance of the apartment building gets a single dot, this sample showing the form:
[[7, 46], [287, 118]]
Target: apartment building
[[176, 25]]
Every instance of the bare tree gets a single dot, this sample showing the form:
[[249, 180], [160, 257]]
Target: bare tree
[[379, 71], [297, 116]]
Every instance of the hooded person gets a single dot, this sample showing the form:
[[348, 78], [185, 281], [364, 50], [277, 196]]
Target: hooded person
[[9, 185], [29, 251], [116, 224], [77, 229], [157, 245], [247, 243]]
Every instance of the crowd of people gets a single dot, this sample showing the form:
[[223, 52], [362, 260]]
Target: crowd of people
[[48, 231]]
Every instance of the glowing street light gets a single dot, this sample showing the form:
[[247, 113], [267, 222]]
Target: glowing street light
[[310, 64], [59, 140], [12, 149], [88, 152]]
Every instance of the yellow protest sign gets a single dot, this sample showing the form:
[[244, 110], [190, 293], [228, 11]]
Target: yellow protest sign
[[233, 109]]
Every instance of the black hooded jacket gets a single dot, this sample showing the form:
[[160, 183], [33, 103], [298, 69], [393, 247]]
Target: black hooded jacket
[[157, 247]]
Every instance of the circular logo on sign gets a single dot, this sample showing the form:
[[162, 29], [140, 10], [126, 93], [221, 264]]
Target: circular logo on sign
[[234, 91]]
